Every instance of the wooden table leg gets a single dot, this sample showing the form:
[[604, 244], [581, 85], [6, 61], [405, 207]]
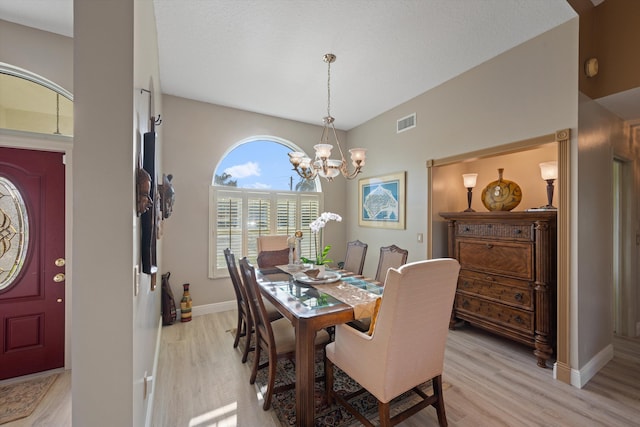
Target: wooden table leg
[[305, 376]]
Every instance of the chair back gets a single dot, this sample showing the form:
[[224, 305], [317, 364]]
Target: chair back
[[408, 344], [272, 242], [238, 287], [272, 258], [390, 257], [354, 259], [258, 310]]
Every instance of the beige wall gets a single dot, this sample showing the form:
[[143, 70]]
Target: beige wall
[[526, 92], [197, 136], [599, 131], [115, 330], [47, 54]]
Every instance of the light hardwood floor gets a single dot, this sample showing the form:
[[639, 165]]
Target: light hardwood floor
[[492, 382]]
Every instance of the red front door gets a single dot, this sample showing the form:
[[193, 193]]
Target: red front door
[[32, 261]]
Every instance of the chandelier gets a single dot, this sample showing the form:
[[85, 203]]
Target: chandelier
[[323, 164]]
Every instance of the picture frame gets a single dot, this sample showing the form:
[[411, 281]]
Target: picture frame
[[381, 201]]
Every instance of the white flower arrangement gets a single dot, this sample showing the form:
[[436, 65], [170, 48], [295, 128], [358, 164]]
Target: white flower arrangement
[[316, 228]]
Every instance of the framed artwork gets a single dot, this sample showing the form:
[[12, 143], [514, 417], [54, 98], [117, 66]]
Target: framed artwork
[[381, 201]]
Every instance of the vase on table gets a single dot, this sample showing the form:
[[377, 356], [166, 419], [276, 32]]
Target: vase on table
[[185, 304]]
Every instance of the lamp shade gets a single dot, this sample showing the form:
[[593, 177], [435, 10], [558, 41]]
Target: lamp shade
[[323, 151], [549, 170], [358, 156], [469, 179]]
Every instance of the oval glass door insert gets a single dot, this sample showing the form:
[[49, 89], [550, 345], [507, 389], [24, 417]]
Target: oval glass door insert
[[14, 232]]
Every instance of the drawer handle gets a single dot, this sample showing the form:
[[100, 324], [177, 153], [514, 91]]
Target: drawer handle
[[489, 245], [466, 283], [518, 231], [490, 279], [518, 319], [518, 296], [465, 303], [466, 229]]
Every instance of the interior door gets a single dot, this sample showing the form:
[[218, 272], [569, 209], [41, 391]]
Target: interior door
[[32, 258]]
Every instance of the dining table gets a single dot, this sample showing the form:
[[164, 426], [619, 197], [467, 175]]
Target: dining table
[[313, 304]]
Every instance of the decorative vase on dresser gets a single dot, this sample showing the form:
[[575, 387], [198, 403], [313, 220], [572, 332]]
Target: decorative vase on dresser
[[507, 282], [185, 304]]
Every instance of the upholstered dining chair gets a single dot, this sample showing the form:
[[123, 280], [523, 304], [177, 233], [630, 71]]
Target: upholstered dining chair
[[245, 322], [406, 347], [390, 257], [272, 242], [272, 250], [268, 259], [354, 258], [277, 338]]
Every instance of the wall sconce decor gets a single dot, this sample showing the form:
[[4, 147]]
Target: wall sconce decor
[[322, 164], [469, 180], [549, 173]]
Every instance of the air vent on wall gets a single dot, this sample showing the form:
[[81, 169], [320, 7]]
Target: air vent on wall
[[406, 123]]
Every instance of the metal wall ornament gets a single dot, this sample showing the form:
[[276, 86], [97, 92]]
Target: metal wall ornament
[[167, 196], [143, 191]]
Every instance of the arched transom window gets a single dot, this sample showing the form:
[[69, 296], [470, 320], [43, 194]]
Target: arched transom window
[[31, 103], [254, 192]]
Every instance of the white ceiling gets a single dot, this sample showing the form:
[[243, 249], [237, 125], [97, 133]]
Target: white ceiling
[[266, 56]]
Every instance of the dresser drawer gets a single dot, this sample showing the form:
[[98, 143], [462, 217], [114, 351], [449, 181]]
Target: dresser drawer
[[501, 289], [514, 259], [503, 315], [516, 231]]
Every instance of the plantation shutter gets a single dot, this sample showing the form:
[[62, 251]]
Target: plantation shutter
[[309, 211], [239, 216], [258, 222], [287, 214], [229, 227]]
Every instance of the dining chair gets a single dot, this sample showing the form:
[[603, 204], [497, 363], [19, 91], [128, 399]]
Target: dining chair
[[406, 347], [277, 338], [268, 259], [245, 322], [390, 257], [272, 242], [354, 258]]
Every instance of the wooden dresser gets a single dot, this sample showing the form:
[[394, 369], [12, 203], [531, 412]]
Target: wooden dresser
[[507, 282]]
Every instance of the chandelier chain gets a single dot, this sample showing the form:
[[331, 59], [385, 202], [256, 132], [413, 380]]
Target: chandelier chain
[[329, 89], [322, 164]]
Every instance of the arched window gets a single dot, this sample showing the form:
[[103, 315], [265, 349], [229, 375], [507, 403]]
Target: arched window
[[31, 103], [255, 192]]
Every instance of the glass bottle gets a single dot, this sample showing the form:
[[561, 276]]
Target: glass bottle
[[185, 304]]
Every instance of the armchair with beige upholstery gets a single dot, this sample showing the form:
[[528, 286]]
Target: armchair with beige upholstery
[[406, 348]]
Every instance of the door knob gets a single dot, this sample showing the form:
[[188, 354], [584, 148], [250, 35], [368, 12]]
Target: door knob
[[58, 277], [59, 262]]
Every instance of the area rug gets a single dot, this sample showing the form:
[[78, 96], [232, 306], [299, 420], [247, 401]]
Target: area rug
[[18, 400], [284, 404]]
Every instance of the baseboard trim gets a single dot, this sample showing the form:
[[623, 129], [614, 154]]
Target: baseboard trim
[[218, 307], [579, 378]]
